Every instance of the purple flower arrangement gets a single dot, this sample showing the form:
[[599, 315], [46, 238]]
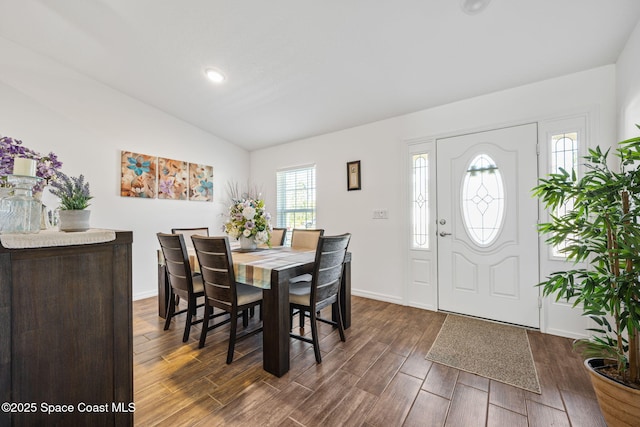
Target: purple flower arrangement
[[47, 166]]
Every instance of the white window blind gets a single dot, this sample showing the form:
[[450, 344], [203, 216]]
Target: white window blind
[[296, 197]]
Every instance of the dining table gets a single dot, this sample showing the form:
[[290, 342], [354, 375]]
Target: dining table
[[271, 270]]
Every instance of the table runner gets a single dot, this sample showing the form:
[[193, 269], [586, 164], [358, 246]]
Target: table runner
[[47, 238], [254, 268]]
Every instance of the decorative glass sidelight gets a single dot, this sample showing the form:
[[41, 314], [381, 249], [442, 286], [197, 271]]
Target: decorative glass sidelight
[[564, 156], [483, 200], [420, 201]]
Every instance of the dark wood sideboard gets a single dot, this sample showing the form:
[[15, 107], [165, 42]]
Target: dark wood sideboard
[[66, 335]]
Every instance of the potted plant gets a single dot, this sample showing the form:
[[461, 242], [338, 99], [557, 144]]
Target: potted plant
[[74, 197], [602, 232]]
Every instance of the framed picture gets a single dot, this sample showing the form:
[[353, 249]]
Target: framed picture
[[200, 182], [172, 179], [138, 175], [353, 176]]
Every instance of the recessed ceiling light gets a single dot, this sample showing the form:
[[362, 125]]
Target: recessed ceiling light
[[473, 7], [214, 75]]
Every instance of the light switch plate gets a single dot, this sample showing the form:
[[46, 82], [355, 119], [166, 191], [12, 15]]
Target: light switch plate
[[380, 214]]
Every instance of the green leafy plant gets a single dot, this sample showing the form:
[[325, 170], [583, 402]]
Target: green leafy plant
[[602, 231], [73, 192]]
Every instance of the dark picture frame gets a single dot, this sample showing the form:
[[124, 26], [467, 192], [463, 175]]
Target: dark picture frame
[[353, 176]]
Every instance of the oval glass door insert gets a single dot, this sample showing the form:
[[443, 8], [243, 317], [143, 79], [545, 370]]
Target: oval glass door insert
[[483, 200]]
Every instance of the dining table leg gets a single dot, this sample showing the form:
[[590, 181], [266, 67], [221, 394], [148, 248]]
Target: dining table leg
[[275, 318]]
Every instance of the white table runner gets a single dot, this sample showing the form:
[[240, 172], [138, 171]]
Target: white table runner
[[46, 238]]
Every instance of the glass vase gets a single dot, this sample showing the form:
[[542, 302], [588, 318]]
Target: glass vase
[[20, 212], [4, 208]]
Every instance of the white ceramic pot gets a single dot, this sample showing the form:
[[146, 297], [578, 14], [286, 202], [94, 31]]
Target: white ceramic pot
[[247, 243], [74, 220]]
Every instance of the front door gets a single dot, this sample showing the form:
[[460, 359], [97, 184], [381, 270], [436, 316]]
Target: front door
[[486, 225]]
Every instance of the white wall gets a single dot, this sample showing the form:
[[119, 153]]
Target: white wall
[[628, 87], [52, 108], [87, 124], [378, 246]]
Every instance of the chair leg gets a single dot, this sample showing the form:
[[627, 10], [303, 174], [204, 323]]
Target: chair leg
[[245, 317], [290, 318], [340, 325], [205, 324], [232, 336], [252, 311], [314, 335], [187, 326], [301, 313], [172, 309]]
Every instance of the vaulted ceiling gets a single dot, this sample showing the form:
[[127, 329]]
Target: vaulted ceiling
[[298, 68]]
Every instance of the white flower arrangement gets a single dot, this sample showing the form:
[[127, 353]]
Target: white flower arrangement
[[248, 218]]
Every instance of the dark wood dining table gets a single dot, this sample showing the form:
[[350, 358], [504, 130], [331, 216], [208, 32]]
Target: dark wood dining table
[[271, 269]]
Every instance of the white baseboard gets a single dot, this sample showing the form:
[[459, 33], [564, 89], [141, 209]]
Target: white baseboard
[[566, 334], [377, 296], [144, 295]]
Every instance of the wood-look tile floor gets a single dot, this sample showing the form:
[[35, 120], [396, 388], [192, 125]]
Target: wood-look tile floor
[[378, 377]]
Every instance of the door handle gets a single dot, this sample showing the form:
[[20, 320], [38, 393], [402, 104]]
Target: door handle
[[442, 234]]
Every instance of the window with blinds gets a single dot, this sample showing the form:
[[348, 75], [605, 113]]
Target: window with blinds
[[296, 198]]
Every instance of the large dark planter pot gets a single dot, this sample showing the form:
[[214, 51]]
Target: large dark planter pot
[[619, 404]]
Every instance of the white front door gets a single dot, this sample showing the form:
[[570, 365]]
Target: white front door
[[486, 225]]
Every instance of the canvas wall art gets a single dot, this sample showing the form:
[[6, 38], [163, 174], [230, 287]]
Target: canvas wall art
[[200, 182], [172, 179], [138, 176]]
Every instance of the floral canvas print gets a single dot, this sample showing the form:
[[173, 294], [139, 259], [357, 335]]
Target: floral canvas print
[[172, 179], [138, 177], [200, 182]]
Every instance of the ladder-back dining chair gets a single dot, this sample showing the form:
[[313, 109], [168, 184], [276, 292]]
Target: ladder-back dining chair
[[222, 291], [323, 289], [277, 236], [182, 283], [188, 232], [305, 239]]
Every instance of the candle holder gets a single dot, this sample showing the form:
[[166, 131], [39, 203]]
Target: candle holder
[[21, 211]]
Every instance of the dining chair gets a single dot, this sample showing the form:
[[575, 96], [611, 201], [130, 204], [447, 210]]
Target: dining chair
[[222, 291], [181, 281], [188, 232], [305, 239], [277, 236], [323, 289]]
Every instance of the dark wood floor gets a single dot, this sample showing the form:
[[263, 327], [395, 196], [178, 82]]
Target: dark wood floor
[[378, 377]]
